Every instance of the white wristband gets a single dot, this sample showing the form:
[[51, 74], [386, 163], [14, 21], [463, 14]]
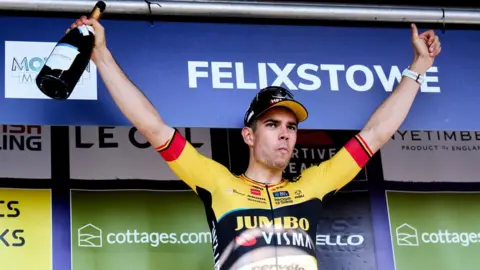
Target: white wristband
[[419, 78]]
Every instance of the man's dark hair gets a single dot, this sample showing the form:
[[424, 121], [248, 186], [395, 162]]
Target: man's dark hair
[[253, 125]]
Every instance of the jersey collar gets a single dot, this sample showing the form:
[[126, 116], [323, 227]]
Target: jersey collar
[[249, 180]]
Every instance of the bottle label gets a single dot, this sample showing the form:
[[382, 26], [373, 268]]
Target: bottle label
[[62, 56], [83, 30], [90, 28]]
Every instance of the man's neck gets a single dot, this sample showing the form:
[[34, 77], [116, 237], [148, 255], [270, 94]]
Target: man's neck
[[263, 175]]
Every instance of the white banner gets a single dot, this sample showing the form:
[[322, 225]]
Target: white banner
[[23, 61], [108, 153], [432, 156], [25, 152]]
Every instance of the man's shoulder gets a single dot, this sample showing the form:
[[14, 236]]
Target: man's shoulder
[[296, 178], [306, 173]]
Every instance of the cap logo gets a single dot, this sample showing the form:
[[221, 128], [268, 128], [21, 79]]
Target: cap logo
[[275, 100]]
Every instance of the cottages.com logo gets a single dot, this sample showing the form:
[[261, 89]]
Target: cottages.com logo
[[407, 235], [92, 236]]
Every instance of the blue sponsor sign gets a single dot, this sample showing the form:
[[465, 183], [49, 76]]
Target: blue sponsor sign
[[205, 75]]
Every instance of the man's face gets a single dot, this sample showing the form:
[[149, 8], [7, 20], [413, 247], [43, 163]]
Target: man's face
[[274, 139]]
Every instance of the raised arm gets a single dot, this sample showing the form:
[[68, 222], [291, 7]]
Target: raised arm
[[336, 172], [386, 120], [129, 99], [186, 162]]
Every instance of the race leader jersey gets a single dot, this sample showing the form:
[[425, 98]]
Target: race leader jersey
[[256, 226]]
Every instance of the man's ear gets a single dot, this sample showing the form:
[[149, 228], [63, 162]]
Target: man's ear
[[248, 136]]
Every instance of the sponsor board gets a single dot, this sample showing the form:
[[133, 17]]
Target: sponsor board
[[25, 151], [23, 61], [345, 232], [139, 229], [25, 229], [123, 153], [440, 228], [316, 146], [145, 229], [214, 69], [219, 75], [432, 156]]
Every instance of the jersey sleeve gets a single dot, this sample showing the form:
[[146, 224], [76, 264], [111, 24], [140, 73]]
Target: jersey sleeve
[[339, 170], [193, 168]]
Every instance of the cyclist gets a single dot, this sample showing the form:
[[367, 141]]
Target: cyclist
[[259, 220]]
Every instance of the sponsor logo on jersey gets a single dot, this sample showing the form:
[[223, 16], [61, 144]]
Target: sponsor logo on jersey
[[287, 222], [255, 192], [299, 194], [280, 262], [246, 240], [234, 191], [299, 239], [282, 197], [279, 194], [256, 196], [250, 237]]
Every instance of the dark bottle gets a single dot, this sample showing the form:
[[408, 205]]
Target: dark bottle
[[68, 60]]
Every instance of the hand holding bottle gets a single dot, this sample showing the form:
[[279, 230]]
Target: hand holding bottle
[[100, 44]]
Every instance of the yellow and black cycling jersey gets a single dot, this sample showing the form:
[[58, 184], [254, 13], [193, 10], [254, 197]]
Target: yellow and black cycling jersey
[[256, 226]]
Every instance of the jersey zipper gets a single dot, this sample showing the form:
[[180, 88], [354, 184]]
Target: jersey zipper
[[274, 236]]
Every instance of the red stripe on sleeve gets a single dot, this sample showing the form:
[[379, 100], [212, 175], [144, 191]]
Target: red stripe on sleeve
[[364, 145], [174, 148], [356, 150]]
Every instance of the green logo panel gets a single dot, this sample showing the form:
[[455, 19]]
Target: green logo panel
[[438, 231], [141, 230]]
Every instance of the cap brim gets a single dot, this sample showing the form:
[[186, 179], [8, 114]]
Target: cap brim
[[296, 107]]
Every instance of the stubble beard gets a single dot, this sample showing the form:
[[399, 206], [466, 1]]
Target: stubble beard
[[279, 163]]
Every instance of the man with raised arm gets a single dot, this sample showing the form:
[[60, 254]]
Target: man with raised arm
[[259, 220]]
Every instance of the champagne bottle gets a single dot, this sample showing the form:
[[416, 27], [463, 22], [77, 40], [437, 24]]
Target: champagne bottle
[[69, 59]]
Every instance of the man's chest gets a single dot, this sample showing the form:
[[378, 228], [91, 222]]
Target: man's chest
[[285, 197]]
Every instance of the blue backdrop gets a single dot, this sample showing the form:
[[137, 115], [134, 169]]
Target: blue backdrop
[[204, 75]]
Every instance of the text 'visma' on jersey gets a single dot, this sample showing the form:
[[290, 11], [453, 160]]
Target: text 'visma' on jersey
[[255, 226]]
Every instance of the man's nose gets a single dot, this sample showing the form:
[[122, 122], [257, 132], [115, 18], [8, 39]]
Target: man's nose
[[284, 134]]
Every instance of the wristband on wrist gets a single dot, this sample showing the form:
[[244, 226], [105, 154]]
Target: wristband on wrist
[[419, 78]]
